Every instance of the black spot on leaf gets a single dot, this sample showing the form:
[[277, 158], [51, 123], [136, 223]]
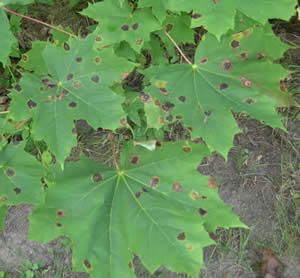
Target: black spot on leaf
[[52, 86], [260, 56], [235, 44], [203, 197], [138, 194], [145, 97], [18, 88], [87, 264], [45, 81], [145, 190], [177, 187], [31, 104], [202, 211], [195, 16], [163, 91], [249, 100], [227, 65], [135, 26], [70, 76], [182, 98], [72, 104], [134, 159], [154, 181], [204, 60], [97, 60], [97, 178], [169, 27], [17, 190], [167, 106], [78, 59], [66, 46], [125, 28], [244, 56], [60, 213], [186, 149], [207, 113], [95, 78], [223, 86], [181, 236], [169, 118], [58, 225]]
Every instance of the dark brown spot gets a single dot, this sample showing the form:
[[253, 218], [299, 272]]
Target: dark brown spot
[[282, 86], [45, 81], [95, 78], [207, 113], [78, 59], [195, 195], [76, 84], [154, 180], [17, 190], [31, 104], [186, 149], [72, 104], [204, 60], [169, 118], [163, 91], [125, 27], [52, 86], [66, 46], [97, 60], [59, 225], [97, 178], [145, 190], [60, 214], [244, 56], [246, 82], [167, 106], [135, 26], [159, 144], [203, 197], [98, 38], [182, 98], [169, 27], [18, 88], [227, 65], [235, 44], [177, 187], [202, 211], [70, 76], [195, 16], [249, 100], [138, 194], [87, 264], [139, 41], [223, 86], [181, 236], [24, 58], [134, 159], [10, 172], [145, 98], [260, 56]]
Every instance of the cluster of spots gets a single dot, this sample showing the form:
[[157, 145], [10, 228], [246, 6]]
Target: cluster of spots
[[244, 56], [138, 194], [31, 104], [177, 187], [195, 16], [134, 160], [154, 181], [18, 88], [246, 82], [202, 211], [145, 97], [126, 27], [181, 236], [187, 149], [227, 65], [67, 46], [97, 178], [87, 264], [97, 60], [235, 44], [24, 58], [76, 84], [10, 172], [222, 86]]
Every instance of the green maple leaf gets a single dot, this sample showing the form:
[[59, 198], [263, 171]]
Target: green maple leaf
[[157, 202], [236, 75], [77, 87], [218, 15], [20, 177], [122, 23]]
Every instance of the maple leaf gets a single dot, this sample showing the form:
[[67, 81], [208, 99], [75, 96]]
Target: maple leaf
[[76, 87], [236, 74], [156, 201]]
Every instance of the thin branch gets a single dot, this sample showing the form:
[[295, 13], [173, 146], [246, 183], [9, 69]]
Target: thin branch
[[178, 48], [113, 150], [21, 124], [40, 22], [4, 112]]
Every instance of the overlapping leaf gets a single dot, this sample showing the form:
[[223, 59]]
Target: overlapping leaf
[[236, 74], [77, 87], [20, 177], [122, 23], [157, 201]]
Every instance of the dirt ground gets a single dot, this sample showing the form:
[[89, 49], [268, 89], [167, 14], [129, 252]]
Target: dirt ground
[[260, 180]]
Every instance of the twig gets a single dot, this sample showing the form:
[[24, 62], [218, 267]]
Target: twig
[[22, 123], [4, 112], [40, 22], [113, 150], [177, 47]]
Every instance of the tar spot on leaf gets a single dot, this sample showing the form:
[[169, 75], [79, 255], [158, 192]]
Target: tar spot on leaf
[[135, 26], [17, 190], [169, 118], [227, 65], [243, 56], [249, 100], [97, 60], [195, 16], [18, 88], [31, 104], [181, 98], [58, 225], [145, 98], [10, 172], [235, 44], [202, 211], [207, 113], [95, 78], [186, 149], [97, 178], [76, 84], [203, 197], [45, 81], [177, 187], [66, 46], [167, 106], [163, 91], [70, 76], [134, 159], [139, 41], [181, 236], [204, 60], [79, 59], [195, 195], [246, 82], [260, 56], [154, 181], [87, 264], [60, 214], [125, 27], [72, 104], [159, 144], [223, 86]]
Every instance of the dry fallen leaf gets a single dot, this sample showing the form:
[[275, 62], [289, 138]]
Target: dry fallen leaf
[[270, 265], [212, 183]]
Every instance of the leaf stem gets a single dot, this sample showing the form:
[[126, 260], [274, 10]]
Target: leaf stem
[[177, 47], [40, 22], [4, 112], [113, 150]]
